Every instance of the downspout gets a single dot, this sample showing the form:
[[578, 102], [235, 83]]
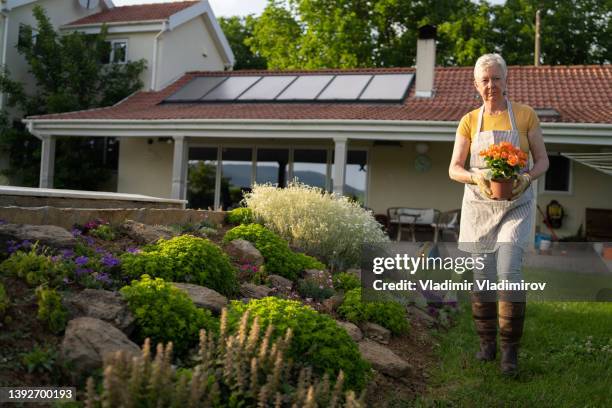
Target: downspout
[[5, 17], [155, 52]]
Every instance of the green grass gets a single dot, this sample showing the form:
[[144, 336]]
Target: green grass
[[565, 361]]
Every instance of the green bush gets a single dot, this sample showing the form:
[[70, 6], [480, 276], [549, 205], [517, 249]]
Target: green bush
[[40, 359], [317, 286], [104, 232], [34, 268], [279, 258], [388, 314], [329, 226], [184, 259], [50, 309], [165, 313], [317, 340], [346, 281], [240, 215], [4, 300]]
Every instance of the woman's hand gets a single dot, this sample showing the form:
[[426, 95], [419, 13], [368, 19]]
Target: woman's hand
[[482, 183], [520, 184]]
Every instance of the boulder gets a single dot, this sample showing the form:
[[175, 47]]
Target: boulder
[[383, 359], [331, 304], [318, 275], [49, 235], [87, 341], [252, 291], [203, 297], [376, 332], [282, 284], [146, 234], [244, 252], [419, 314], [352, 330], [101, 304]]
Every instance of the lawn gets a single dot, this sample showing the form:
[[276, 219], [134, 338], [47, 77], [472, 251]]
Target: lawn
[[565, 361]]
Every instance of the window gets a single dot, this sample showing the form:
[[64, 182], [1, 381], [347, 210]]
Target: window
[[27, 36], [117, 53], [236, 169], [558, 176]]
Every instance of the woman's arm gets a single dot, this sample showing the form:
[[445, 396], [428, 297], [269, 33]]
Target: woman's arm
[[456, 170], [538, 152]]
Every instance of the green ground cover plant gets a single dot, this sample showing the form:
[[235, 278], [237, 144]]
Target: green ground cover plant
[[184, 259], [388, 314], [331, 227], [164, 313], [345, 281], [50, 309], [240, 215], [279, 258], [317, 340]]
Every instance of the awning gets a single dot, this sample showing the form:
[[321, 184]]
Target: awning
[[597, 161]]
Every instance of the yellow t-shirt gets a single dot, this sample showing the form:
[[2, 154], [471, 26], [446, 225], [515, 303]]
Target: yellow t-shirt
[[525, 116]]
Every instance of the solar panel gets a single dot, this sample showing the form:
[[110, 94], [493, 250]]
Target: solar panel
[[195, 89], [345, 87], [231, 89], [268, 88], [306, 87], [387, 87]]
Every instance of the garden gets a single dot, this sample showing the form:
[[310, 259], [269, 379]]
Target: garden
[[264, 309]]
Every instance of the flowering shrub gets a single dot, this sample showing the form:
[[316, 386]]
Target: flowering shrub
[[33, 267], [253, 274], [240, 215], [387, 314], [317, 340], [504, 160], [50, 309], [279, 258], [104, 232], [317, 286], [330, 227], [164, 313], [184, 259], [346, 281]]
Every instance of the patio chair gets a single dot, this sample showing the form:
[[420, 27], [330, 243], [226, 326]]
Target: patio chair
[[448, 221], [411, 219]]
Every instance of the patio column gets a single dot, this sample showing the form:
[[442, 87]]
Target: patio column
[[179, 168], [47, 162], [339, 164]]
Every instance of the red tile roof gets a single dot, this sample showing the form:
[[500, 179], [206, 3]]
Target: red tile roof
[[581, 94], [140, 12]]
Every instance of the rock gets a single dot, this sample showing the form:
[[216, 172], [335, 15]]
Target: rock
[[421, 315], [101, 304], [383, 359], [317, 275], [376, 332], [146, 234], [281, 283], [88, 340], [244, 252], [332, 303], [253, 291], [352, 330], [203, 297], [49, 235]]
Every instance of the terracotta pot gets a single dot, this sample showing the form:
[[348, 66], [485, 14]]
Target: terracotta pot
[[501, 189]]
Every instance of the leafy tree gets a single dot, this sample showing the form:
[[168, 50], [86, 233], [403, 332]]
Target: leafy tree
[[237, 30], [70, 75]]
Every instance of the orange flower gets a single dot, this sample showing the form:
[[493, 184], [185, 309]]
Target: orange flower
[[512, 160]]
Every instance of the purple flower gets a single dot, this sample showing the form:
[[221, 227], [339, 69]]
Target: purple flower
[[82, 271], [67, 253], [2, 222], [90, 241], [103, 277], [76, 232], [81, 260], [100, 251], [110, 261], [56, 258], [133, 250], [26, 244]]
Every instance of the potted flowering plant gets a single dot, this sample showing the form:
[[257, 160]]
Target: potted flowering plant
[[504, 162]]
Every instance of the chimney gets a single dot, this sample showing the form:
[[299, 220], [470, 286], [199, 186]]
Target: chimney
[[425, 62]]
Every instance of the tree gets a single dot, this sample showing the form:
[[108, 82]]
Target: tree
[[70, 75], [237, 30]]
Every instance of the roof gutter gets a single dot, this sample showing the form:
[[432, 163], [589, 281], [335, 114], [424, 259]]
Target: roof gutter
[[440, 131]]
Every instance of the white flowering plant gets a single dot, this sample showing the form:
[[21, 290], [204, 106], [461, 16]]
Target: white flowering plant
[[326, 225]]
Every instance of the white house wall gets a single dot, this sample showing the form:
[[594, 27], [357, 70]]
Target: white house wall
[[145, 168], [181, 51], [140, 45]]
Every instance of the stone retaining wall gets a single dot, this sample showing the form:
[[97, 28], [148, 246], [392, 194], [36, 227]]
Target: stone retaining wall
[[70, 202], [67, 217]]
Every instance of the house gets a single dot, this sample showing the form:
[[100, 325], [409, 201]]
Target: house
[[383, 135]]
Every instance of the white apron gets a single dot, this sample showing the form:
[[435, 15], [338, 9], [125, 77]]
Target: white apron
[[487, 223]]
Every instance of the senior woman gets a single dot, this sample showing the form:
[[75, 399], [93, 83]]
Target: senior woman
[[498, 231]]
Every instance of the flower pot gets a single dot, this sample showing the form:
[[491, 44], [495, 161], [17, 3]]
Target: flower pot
[[501, 189]]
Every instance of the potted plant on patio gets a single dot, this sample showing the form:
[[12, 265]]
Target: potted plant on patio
[[504, 162]]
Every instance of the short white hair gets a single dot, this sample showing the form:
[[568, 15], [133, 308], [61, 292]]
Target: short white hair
[[489, 60]]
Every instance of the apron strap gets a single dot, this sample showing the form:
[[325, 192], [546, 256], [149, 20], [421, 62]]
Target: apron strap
[[510, 113]]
